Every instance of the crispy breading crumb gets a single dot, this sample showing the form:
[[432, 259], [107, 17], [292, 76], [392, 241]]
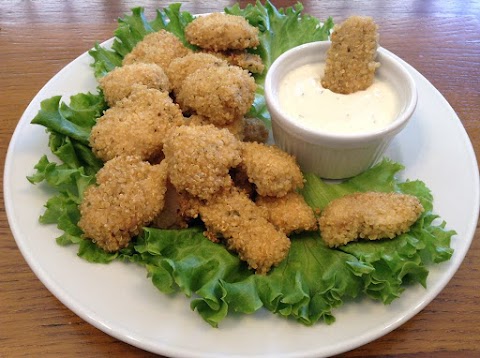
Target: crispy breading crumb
[[159, 47], [234, 217], [120, 82], [237, 127], [222, 94], [220, 32], [180, 68], [273, 171], [200, 157], [136, 125], [350, 64], [290, 213], [241, 58], [369, 215], [130, 193]]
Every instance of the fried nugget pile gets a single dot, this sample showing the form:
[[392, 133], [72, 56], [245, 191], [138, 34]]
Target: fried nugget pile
[[178, 148]]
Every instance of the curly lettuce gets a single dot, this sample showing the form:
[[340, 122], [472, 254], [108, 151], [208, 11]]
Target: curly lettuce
[[131, 30], [313, 279]]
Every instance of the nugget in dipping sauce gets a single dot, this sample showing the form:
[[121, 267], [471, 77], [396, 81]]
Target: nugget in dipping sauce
[[350, 65], [220, 32], [302, 96], [157, 47], [130, 193], [369, 215], [120, 82]]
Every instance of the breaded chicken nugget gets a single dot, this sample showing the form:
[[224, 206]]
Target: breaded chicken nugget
[[350, 64], [237, 127], [248, 61], [273, 171], [233, 216], [159, 47], [222, 94], [245, 129], [220, 32], [290, 213], [199, 159], [254, 130], [369, 215], [120, 82], [130, 193], [136, 125], [189, 205], [180, 68]]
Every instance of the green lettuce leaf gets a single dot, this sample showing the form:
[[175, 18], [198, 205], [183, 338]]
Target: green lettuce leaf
[[314, 279], [394, 262], [132, 29], [69, 128]]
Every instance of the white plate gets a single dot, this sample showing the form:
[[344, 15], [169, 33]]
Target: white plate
[[121, 301]]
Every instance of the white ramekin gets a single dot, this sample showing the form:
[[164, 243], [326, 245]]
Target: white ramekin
[[334, 155]]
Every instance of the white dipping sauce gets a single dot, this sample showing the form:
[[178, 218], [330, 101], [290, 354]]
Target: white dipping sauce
[[302, 96]]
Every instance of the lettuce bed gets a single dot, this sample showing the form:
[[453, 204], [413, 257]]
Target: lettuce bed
[[314, 279]]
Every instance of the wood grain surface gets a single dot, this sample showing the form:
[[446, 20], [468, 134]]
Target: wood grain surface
[[441, 39]]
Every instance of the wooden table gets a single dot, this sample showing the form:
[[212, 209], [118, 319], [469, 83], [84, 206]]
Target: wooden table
[[441, 39]]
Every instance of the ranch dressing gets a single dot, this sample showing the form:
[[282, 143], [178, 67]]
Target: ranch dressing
[[302, 96]]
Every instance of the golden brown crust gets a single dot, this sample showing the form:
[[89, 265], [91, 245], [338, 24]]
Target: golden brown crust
[[136, 125], [180, 68], [236, 127], [273, 171], [130, 193], [159, 47], [199, 159], [222, 94], [350, 64], [290, 213], [220, 32], [241, 58], [243, 225], [369, 215], [120, 82]]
